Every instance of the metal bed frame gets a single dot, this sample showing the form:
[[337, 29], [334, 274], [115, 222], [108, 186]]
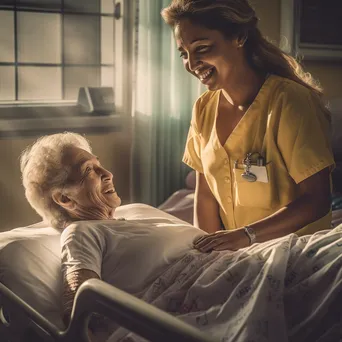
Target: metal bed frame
[[19, 322]]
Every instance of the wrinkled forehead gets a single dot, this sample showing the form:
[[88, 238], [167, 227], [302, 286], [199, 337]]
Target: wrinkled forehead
[[73, 157]]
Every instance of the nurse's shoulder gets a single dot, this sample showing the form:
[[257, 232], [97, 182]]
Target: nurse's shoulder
[[204, 110], [294, 94]]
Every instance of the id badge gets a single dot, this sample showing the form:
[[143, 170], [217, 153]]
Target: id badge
[[260, 172]]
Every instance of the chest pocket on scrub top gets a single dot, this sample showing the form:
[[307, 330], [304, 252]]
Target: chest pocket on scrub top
[[252, 194]]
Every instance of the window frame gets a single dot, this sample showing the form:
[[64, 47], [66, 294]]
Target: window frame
[[34, 118], [16, 64], [290, 29]]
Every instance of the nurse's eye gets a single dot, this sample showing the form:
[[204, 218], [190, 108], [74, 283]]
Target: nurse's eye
[[203, 48], [182, 54]]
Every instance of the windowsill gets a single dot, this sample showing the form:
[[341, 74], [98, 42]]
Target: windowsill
[[38, 103], [23, 120]]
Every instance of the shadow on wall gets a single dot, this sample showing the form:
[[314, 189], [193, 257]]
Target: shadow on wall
[[14, 207]]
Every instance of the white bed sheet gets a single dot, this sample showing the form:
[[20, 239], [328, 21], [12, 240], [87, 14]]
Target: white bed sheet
[[288, 289], [30, 260]]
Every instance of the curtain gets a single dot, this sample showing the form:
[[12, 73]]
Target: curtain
[[164, 94]]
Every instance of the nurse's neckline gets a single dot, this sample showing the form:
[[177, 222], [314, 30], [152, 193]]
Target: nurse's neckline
[[244, 107]]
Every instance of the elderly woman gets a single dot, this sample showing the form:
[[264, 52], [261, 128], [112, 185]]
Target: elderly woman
[[234, 296], [66, 184]]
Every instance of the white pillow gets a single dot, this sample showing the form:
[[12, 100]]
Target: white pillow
[[30, 267], [139, 211]]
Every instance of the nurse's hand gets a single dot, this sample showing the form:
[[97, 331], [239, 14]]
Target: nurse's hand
[[222, 240]]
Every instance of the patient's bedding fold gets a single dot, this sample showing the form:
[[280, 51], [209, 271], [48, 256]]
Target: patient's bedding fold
[[288, 289]]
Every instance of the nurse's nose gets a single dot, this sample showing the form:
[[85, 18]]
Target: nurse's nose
[[193, 63]]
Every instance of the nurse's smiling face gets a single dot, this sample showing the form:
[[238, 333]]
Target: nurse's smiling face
[[208, 54]]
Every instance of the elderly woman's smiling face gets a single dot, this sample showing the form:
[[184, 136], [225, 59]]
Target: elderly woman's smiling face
[[89, 193]]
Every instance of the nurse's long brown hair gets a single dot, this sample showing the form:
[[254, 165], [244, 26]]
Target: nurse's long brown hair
[[237, 19]]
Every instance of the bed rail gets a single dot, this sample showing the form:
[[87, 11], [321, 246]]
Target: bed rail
[[97, 296], [19, 322]]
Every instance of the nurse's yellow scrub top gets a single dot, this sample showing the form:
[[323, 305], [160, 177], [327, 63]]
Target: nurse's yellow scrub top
[[287, 124]]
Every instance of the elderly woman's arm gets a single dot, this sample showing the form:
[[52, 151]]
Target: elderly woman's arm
[[71, 283], [83, 245]]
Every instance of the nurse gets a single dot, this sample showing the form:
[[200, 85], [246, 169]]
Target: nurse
[[259, 136]]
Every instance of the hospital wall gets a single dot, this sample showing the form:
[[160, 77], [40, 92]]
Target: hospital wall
[[114, 148], [329, 73]]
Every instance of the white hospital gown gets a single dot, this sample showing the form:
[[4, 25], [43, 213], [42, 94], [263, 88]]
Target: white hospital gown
[[127, 254]]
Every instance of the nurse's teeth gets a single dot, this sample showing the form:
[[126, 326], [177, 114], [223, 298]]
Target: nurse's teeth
[[205, 74]]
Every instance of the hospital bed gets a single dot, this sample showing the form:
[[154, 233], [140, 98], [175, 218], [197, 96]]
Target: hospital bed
[[251, 294], [20, 322], [30, 295]]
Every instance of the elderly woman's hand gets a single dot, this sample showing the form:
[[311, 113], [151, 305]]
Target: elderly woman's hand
[[222, 240]]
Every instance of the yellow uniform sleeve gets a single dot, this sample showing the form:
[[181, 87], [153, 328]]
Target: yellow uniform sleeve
[[192, 153], [304, 134]]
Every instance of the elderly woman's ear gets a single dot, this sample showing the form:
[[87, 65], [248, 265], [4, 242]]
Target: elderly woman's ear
[[63, 200]]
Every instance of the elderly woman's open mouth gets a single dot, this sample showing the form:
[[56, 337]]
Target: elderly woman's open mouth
[[109, 191]]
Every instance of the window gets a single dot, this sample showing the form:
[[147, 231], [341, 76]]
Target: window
[[50, 48], [312, 28]]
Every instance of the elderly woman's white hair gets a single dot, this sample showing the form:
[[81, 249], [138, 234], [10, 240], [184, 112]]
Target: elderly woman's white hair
[[42, 172]]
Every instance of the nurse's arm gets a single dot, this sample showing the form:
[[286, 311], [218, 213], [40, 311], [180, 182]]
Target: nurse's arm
[[313, 203], [206, 208]]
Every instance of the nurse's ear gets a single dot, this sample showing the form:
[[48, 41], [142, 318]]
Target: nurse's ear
[[241, 40], [63, 200]]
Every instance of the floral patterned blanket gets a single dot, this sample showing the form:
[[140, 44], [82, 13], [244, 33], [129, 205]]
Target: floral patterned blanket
[[288, 289]]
